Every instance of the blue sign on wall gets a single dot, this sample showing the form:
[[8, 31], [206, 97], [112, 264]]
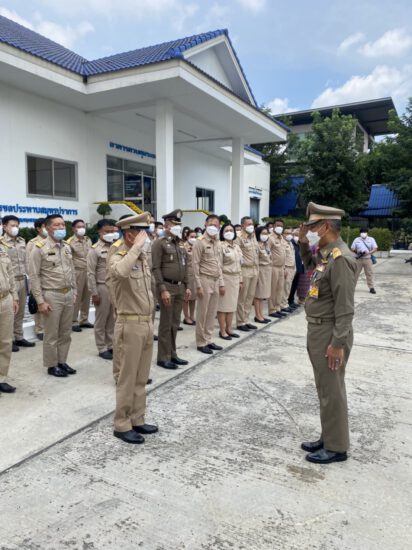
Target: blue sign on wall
[[41, 210], [132, 150]]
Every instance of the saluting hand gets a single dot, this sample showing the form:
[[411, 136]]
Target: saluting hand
[[165, 296], [140, 239], [302, 234], [335, 357]]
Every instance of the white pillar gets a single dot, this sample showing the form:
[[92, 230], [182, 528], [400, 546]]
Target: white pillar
[[164, 158], [240, 205]]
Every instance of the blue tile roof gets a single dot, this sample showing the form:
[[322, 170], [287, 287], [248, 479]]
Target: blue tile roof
[[382, 202]]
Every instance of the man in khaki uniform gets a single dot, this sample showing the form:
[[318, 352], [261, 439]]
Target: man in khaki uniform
[[329, 309], [128, 277], [250, 274], [53, 285], [290, 269], [16, 249], [41, 235], [169, 260], [208, 276], [96, 277], [277, 245], [80, 245], [8, 308]]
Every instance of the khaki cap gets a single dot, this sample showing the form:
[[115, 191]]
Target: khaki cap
[[317, 212], [175, 216], [137, 221]]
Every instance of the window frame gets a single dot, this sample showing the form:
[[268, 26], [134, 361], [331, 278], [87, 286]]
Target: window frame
[[213, 196], [75, 164]]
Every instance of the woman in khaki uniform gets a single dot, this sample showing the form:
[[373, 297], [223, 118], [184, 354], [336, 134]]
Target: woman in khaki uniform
[[263, 287], [189, 305], [232, 276]]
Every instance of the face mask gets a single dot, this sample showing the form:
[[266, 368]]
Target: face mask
[[313, 237], [81, 232], [212, 231], [192, 241], [229, 235], [109, 237], [199, 234], [176, 231], [160, 232], [239, 233], [296, 239], [116, 236], [59, 234], [363, 235], [14, 231], [278, 230], [264, 238], [250, 229], [44, 233], [270, 229], [288, 237], [151, 228]]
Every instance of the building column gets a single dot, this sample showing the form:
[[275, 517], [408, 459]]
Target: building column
[[164, 158], [240, 205]]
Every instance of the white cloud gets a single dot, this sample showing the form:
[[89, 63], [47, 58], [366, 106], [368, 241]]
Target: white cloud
[[394, 42], [14, 16], [280, 106], [183, 14], [381, 82], [350, 41], [253, 5]]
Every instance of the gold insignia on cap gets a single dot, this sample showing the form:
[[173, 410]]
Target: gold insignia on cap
[[175, 216]]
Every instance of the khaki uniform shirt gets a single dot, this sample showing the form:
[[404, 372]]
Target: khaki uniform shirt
[[31, 244], [265, 257], [7, 282], [207, 260], [278, 250], [231, 258], [332, 287], [169, 261], [129, 280], [96, 265], [16, 249], [51, 268], [250, 250], [80, 249], [290, 260]]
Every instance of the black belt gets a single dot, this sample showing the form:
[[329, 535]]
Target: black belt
[[172, 282]]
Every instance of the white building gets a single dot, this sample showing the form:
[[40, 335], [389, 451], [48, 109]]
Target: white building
[[162, 127]]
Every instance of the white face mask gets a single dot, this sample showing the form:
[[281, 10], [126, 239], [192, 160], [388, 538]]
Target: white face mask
[[160, 232], [239, 233], [250, 229], [278, 230], [363, 235], [109, 237], [81, 232], [116, 236], [212, 231], [44, 233], [296, 238], [151, 227], [192, 241], [270, 229], [13, 231], [199, 234], [288, 237], [229, 235], [313, 237], [176, 231], [264, 238]]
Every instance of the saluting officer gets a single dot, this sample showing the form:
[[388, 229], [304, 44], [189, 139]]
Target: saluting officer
[[329, 309], [169, 260], [16, 249], [8, 307], [129, 280], [41, 235]]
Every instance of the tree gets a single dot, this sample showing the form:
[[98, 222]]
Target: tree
[[330, 159], [104, 209]]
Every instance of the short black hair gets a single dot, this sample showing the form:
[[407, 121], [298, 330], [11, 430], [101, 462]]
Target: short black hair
[[10, 218], [157, 224], [227, 224], [259, 230], [279, 220], [198, 230], [50, 218], [363, 230], [268, 223], [242, 221], [104, 223], [76, 222], [212, 217], [38, 223]]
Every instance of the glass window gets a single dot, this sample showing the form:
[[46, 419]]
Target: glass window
[[51, 178], [254, 209], [64, 179], [115, 163], [205, 199], [114, 186]]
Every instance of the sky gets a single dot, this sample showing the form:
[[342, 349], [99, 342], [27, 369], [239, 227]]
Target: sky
[[298, 54]]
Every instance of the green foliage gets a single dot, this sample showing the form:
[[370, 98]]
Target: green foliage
[[383, 237], [104, 209], [91, 232], [27, 233], [289, 221]]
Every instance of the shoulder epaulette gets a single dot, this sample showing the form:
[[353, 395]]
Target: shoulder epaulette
[[122, 252], [4, 243], [40, 243], [117, 243], [336, 253], [95, 245], [69, 240]]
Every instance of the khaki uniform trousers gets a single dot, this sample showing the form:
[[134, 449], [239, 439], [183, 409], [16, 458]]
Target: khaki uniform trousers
[[6, 335], [287, 285], [132, 355], [250, 276], [278, 285], [169, 322], [330, 386], [367, 266], [104, 320], [154, 292], [57, 327], [38, 323], [206, 310], [83, 298], [19, 317]]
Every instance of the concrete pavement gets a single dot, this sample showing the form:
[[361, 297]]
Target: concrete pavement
[[226, 470]]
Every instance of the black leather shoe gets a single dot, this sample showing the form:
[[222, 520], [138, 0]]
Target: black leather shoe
[[286, 310], [178, 361], [57, 371], [66, 368], [106, 355], [372, 291], [192, 324], [323, 456], [312, 446], [40, 336], [149, 381], [23, 343], [155, 338], [224, 337], [179, 328], [6, 388], [277, 315], [15, 348], [262, 322], [233, 335], [214, 347], [76, 328], [167, 365], [243, 328], [129, 437], [86, 325], [146, 429], [251, 327], [205, 349]]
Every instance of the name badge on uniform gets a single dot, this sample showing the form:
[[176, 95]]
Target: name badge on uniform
[[313, 292], [135, 268]]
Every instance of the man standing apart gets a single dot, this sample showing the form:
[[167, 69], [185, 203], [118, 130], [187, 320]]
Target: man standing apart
[[277, 246], [129, 279], [16, 249], [80, 245], [250, 273], [169, 260], [41, 235], [96, 277], [329, 311], [207, 271], [53, 285], [364, 247]]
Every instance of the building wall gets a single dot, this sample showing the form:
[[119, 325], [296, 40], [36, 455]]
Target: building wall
[[257, 177], [208, 61]]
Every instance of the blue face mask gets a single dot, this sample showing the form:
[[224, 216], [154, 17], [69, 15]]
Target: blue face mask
[[59, 234]]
